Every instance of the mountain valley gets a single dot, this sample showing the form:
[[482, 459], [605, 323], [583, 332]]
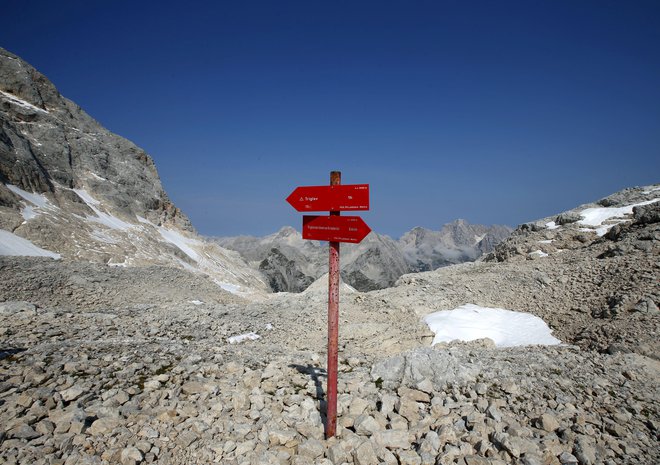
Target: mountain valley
[[127, 338]]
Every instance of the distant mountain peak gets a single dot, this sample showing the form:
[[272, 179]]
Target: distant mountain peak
[[287, 231]]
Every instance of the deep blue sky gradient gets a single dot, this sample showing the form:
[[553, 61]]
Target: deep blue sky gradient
[[492, 111]]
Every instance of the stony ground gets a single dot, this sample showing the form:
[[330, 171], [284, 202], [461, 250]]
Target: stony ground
[[135, 365]]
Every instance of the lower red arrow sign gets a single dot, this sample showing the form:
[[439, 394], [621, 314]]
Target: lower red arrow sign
[[334, 228]]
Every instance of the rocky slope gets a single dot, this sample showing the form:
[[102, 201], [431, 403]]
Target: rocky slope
[[73, 188], [291, 264], [100, 367]]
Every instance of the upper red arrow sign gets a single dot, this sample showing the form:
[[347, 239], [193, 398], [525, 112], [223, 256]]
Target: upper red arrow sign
[[335, 228], [346, 197]]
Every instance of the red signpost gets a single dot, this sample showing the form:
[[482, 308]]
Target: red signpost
[[335, 229]]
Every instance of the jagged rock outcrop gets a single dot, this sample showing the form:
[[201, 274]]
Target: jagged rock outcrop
[[375, 263], [74, 189], [580, 227]]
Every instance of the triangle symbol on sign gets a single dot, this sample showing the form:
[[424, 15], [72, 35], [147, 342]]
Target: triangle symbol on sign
[[301, 199]]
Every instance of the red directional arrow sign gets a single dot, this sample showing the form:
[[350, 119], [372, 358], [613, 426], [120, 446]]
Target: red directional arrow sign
[[342, 197], [334, 228]]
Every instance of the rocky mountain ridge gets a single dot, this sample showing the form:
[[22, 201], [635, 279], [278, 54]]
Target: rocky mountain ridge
[[456, 242], [73, 189], [291, 263]]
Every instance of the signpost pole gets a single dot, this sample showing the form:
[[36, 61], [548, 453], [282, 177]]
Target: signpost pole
[[334, 229], [333, 325]]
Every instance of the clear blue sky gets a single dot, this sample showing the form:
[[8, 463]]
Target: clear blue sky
[[492, 111]]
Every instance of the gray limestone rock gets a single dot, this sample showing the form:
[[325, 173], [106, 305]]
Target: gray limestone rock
[[73, 188]]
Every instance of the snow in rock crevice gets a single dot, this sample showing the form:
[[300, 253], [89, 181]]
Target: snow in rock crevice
[[103, 218], [20, 102]]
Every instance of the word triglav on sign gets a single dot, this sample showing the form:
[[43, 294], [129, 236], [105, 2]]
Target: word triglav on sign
[[347, 197]]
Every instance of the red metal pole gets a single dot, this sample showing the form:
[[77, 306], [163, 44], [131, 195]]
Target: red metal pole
[[333, 326]]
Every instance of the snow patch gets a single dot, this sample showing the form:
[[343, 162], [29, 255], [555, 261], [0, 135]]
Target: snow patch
[[650, 191], [28, 213], [88, 199], [20, 102], [552, 225], [547, 241], [103, 218], [182, 242], [97, 176], [595, 217], [196, 302], [538, 253], [38, 200], [11, 244], [233, 288], [478, 239], [243, 337], [505, 327]]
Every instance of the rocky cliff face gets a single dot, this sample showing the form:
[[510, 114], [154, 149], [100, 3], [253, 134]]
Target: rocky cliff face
[[291, 263], [71, 187]]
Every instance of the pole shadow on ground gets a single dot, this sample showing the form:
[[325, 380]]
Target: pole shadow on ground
[[316, 373]]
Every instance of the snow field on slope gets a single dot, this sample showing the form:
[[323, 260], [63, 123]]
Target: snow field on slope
[[505, 327], [38, 200], [11, 244]]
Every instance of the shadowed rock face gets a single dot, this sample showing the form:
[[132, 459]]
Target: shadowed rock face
[[70, 186]]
